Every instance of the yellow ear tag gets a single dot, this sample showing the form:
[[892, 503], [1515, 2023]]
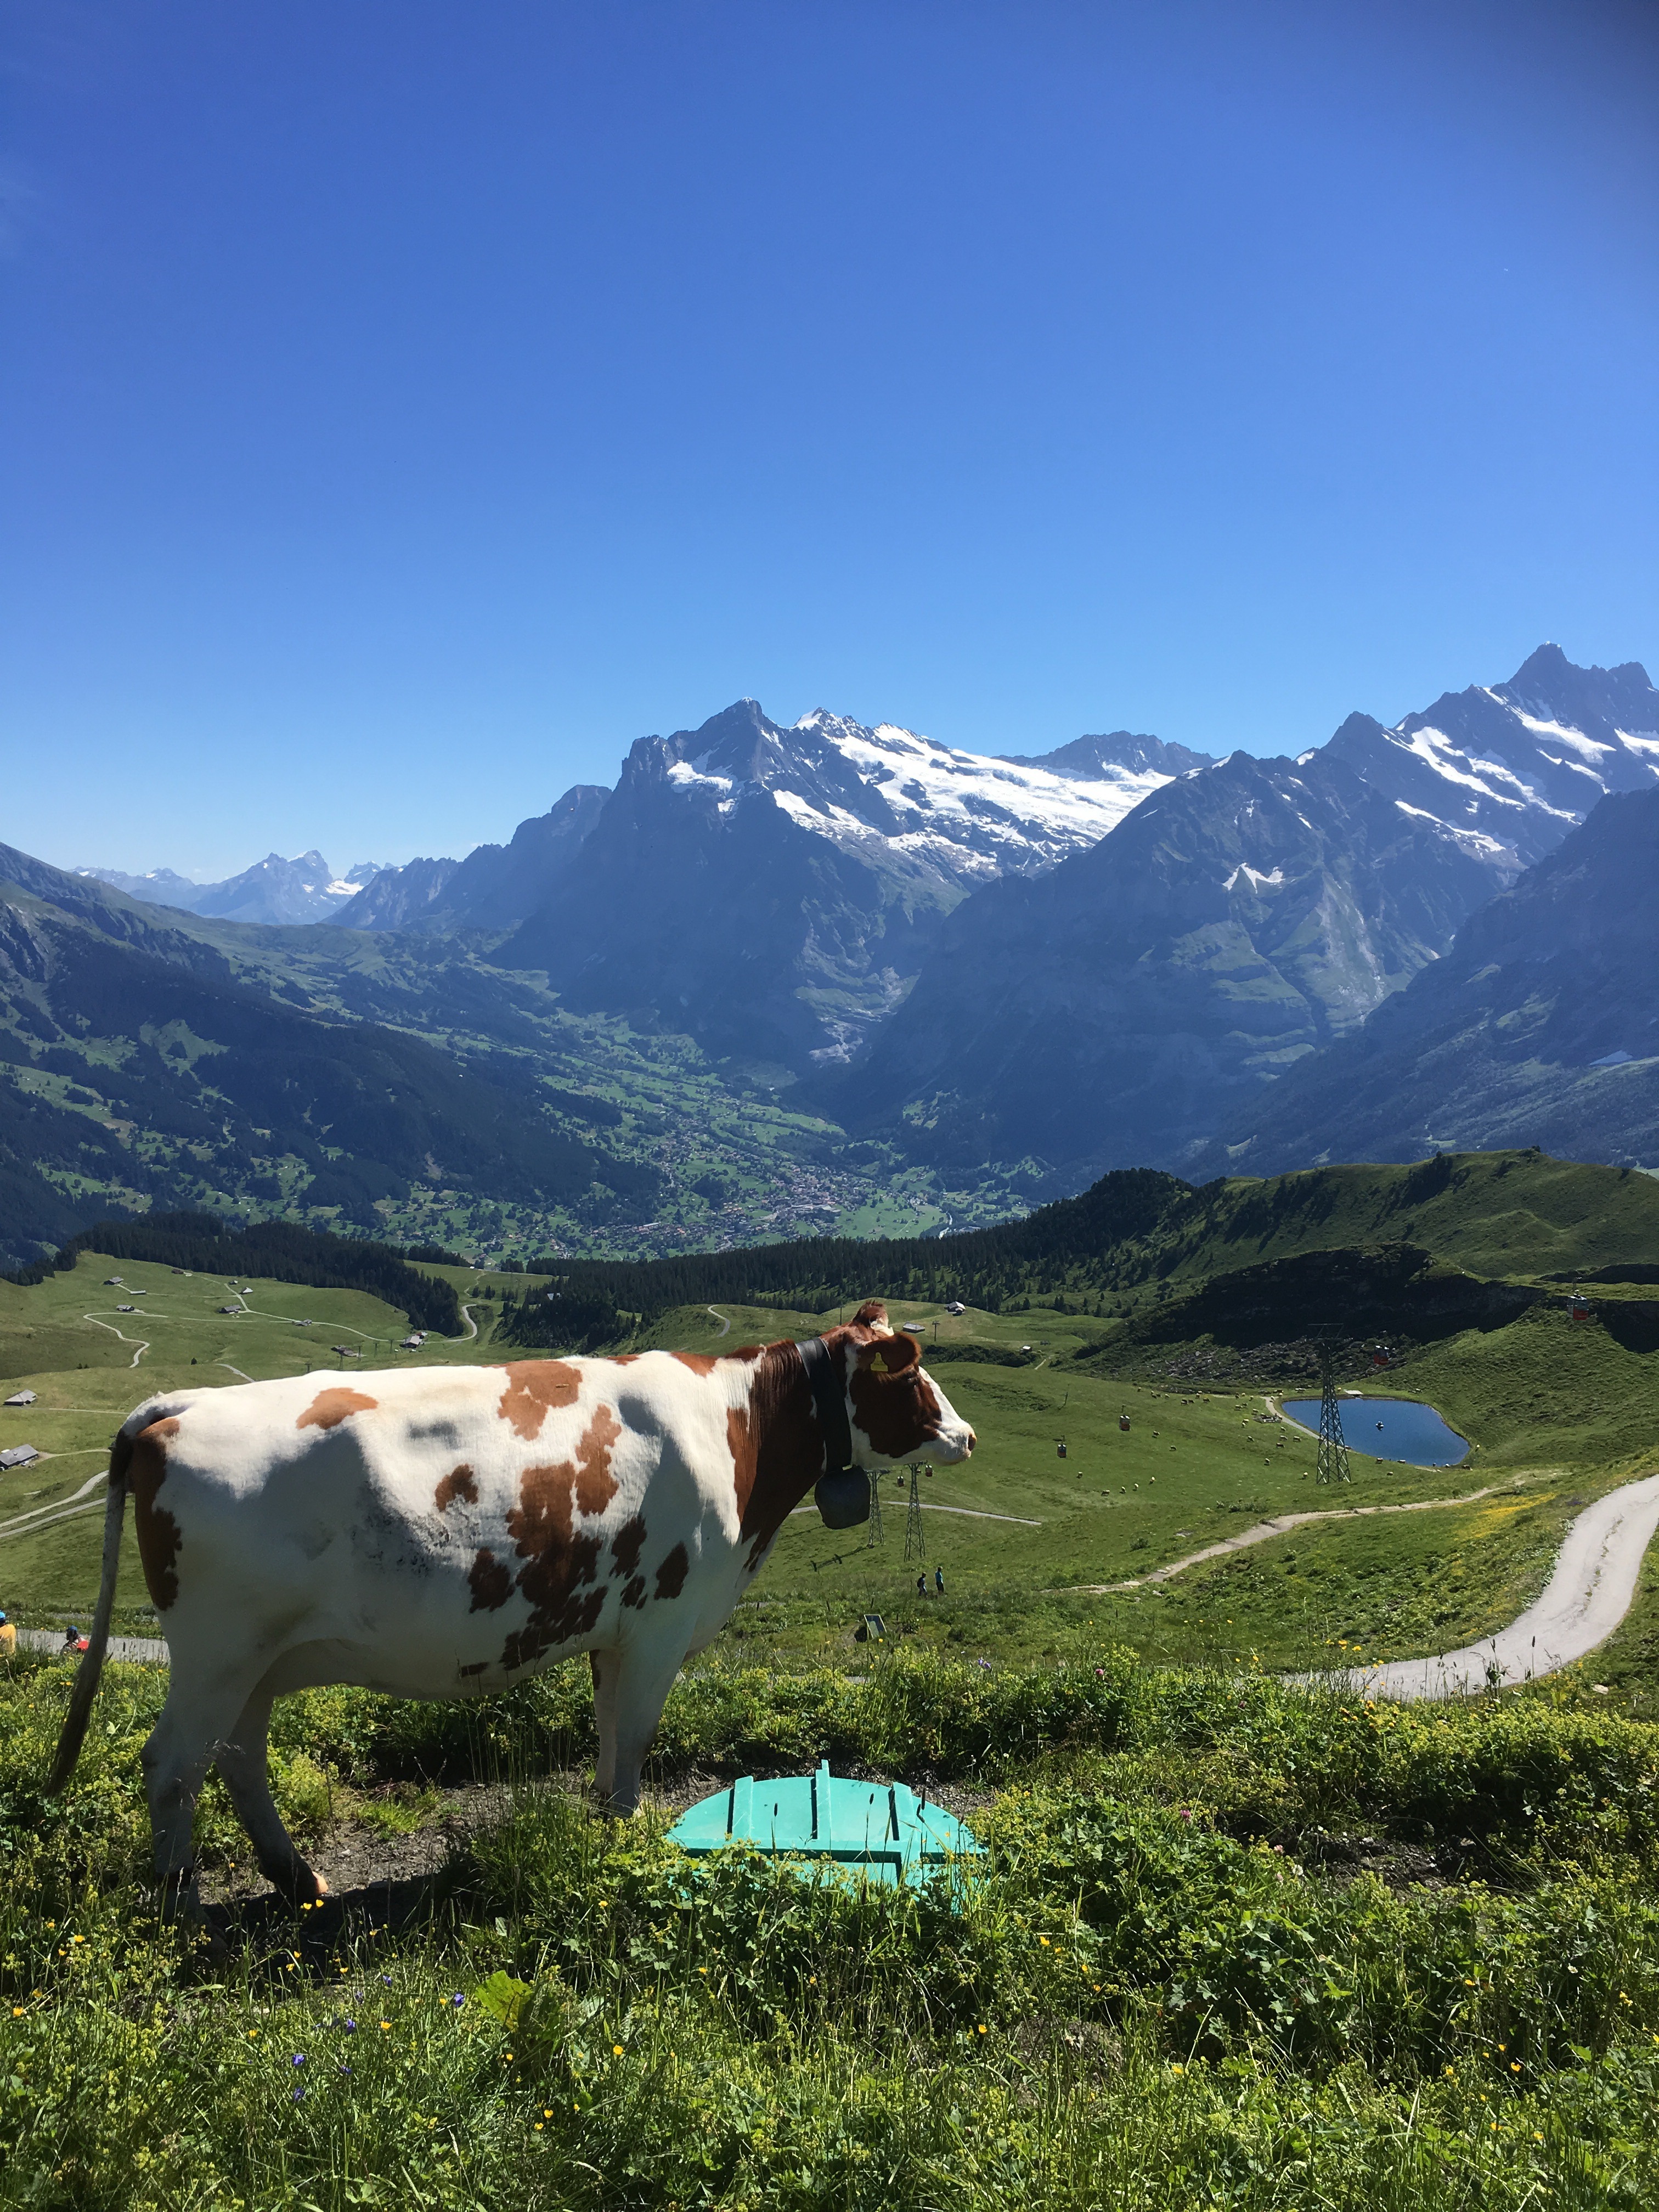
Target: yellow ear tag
[[878, 1365]]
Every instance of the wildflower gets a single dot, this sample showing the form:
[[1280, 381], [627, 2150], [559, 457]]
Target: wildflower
[[299, 2058], [343, 2069], [1178, 2069], [385, 2024], [538, 2127], [298, 2094], [1515, 2065], [615, 2051], [547, 2112], [458, 1999], [981, 2028], [1044, 1940], [252, 2034], [350, 2026]]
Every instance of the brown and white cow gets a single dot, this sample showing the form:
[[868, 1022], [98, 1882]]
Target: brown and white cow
[[442, 1532]]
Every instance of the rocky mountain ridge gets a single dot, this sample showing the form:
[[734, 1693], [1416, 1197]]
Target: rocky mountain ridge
[[1123, 1009]]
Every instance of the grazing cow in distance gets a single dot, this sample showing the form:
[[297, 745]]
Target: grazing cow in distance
[[443, 1531]]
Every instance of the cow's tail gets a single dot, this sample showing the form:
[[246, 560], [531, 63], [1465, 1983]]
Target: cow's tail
[[90, 1673]]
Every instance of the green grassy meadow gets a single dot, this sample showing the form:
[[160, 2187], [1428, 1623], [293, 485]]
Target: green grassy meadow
[[1232, 1943], [1027, 1542]]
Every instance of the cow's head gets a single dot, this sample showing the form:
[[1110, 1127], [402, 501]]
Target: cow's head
[[897, 1410]]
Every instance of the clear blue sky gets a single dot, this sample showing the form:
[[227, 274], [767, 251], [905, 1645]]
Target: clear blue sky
[[404, 406]]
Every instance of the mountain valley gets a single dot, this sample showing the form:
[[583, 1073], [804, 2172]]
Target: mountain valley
[[830, 977]]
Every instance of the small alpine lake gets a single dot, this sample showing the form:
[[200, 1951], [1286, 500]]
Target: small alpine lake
[[1400, 1429]]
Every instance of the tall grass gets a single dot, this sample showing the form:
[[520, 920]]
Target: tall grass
[[1147, 1994]]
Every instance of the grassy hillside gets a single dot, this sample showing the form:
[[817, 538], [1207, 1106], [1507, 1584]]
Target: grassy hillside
[[1028, 1542], [1492, 1213]]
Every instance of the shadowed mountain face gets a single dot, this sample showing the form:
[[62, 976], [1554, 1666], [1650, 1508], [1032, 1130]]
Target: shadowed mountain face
[[1541, 1026], [1129, 1005], [495, 885], [773, 890], [131, 1058], [1106, 1013]]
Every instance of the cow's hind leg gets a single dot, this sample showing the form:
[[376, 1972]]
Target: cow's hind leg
[[644, 1681], [181, 1746], [242, 1758], [607, 1674]]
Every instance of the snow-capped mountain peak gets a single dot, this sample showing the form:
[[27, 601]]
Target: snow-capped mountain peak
[[1508, 768]]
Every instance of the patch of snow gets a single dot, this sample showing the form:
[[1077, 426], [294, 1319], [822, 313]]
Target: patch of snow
[[985, 812], [1258, 881], [1473, 840], [1562, 732]]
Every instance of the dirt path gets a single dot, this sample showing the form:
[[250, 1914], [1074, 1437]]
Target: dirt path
[[723, 1319], [126, 1339], [1262, 1532], [1589, 1594], [26, 1524]]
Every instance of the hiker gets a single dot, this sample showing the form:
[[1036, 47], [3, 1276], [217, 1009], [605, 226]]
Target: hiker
[[73, 1640], [938, 1580], [922, 1585], [7, 1638]]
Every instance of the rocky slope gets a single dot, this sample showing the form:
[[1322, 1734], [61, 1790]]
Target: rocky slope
[[137, 1069], [1539, 1027]]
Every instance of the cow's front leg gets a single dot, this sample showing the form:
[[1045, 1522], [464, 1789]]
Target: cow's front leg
[[645, 1678], [607, 1673], [243, 1760]]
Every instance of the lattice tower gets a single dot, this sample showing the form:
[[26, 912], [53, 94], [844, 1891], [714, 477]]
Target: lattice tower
[[1332, 1444]]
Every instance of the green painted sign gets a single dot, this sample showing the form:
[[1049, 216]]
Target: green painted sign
[[883, 1831]]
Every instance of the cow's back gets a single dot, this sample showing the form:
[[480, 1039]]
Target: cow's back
[[440, 1530]]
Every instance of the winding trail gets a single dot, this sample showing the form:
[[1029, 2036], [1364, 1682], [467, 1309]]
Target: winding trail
[[1587, 1595], [472, 1326], [61, 1509], [126, 1339], [723, 1319], [1262, 1532]]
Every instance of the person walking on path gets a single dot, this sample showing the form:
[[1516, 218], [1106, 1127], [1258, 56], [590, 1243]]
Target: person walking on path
[[938, 1580], [922, 1585]]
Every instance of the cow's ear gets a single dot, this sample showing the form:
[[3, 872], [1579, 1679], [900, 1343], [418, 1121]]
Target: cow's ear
[[891, 1355], [873, 1314]]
